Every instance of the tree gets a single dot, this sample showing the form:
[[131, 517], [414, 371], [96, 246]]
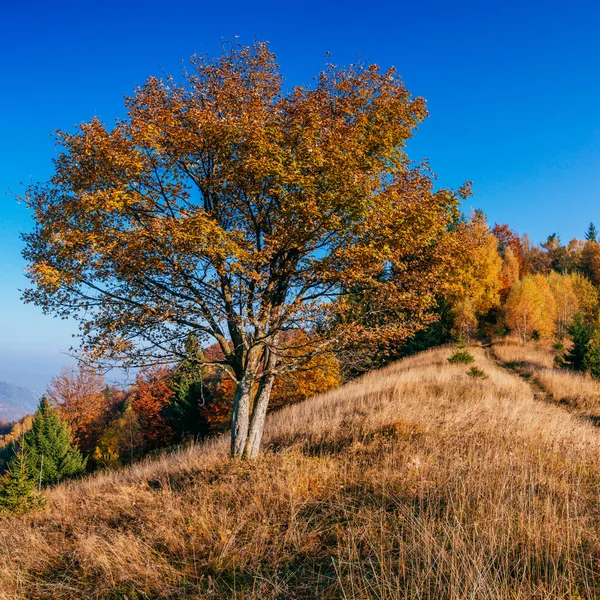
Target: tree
[[81, 397], [229, 207], [591, 235], [509, 240], [50, 453], [565, 300], [538, 261], [18, 492], [473, 288], [589, 261], [557, 254], [121, 441], [150, 399], [531, 308], [201, 402], [510, 273], [192, 392], [591, 362], [9, 443], [581, 334], [587, 296]]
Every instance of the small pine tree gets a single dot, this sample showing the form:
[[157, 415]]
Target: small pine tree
[[18, 492], [51, 454], [591, 235], [581, 335], [592, 358], [461, 354]]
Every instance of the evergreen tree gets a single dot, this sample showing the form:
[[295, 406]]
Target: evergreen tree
[[591, 235], [51, 454], [18, 492], [557, 254], [581, 335], [190, 393], [592, 357]]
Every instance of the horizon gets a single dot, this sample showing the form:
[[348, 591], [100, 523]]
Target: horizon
[[510, 109]]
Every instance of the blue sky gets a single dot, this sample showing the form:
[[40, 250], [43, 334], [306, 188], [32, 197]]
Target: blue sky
[[512, 89]]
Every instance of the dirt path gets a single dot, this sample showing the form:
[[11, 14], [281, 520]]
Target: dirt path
[[522, 371], [527, 372]]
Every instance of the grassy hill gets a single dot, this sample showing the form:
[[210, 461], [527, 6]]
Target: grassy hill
[[416, 481]]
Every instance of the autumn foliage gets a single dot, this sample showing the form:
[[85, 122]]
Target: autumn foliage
[[83, 400], [231, 207], [149, 400]]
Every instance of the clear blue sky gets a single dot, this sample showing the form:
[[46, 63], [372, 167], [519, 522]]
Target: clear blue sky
[[513, 90]]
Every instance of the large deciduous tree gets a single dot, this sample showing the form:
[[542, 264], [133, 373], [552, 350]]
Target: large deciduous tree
[[232, 208]]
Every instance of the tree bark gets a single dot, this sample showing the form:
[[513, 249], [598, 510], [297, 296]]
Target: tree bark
[[240, 417], [259, 415]]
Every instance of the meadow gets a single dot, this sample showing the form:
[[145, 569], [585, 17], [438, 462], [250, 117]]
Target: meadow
[[577, 391], [413, 482]]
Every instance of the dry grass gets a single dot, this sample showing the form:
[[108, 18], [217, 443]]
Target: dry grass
[[416, 482], [535, 360]]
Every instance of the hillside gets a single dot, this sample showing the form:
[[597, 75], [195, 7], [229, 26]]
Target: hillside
[[416, 481], [15, 401]]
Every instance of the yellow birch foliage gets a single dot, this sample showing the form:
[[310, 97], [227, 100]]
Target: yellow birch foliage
[[473, 287], [587, 295], [510, 272], [565, 299], [531, 308]]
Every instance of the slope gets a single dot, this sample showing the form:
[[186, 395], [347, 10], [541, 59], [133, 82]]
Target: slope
[[416, 481]]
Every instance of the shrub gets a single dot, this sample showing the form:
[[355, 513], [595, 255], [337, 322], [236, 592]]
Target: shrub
[[461, 357], [559, 362], [477, 373]]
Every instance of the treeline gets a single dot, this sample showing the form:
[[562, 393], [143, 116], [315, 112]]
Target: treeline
[[500, 283], [505, 285]]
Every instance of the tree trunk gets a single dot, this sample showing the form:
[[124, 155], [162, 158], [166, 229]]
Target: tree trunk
[[259, 415], [240, 417]]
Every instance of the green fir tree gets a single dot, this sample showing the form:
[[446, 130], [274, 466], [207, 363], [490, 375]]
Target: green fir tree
[[592, 358], [190, 393], [18, 493], [51, 454], [581, 335], [591, 235]]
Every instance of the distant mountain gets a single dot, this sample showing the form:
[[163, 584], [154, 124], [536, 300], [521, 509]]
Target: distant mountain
[[15, 401]]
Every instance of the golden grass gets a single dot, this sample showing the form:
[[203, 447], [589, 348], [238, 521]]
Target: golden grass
[[576, 390], [416, 482]]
